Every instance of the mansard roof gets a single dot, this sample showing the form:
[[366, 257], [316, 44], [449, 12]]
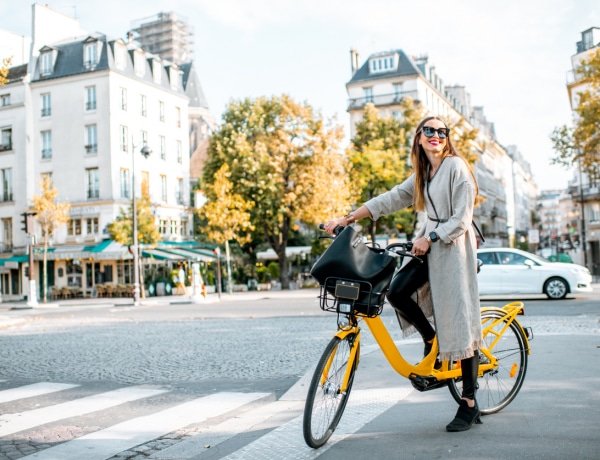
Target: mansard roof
[[406, 66], [70, 61], [191, 84]]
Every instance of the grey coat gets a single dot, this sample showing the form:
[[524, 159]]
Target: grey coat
[[451, 297]]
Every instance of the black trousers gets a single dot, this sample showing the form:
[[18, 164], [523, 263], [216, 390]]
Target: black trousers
[[414, 275]]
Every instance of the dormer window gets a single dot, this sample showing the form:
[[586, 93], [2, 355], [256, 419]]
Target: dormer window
[[139, 62], [46, 63], [156, 71], [380, 64], [120, 55], [174, 77], [90, 54]]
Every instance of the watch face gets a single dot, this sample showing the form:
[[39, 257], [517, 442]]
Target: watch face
[[434, 237]]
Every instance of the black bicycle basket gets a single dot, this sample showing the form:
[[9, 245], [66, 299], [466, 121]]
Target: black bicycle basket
[[353, 275]]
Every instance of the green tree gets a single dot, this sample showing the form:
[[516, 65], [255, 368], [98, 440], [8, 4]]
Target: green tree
[[284, 160], [580, 143], [121, 229], [50, 215], [378, 153]]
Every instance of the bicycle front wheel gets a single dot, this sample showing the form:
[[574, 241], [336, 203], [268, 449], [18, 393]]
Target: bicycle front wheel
[[325, 402], [500, 385]]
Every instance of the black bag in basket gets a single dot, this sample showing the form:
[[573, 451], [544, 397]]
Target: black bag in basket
[[349, 258]]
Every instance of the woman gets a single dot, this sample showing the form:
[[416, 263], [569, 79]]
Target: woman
[[444, 186]]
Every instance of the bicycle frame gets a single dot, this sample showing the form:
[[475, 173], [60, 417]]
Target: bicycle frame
[[427, 366]]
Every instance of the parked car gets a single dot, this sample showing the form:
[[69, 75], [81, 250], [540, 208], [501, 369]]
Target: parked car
[[512, 271]]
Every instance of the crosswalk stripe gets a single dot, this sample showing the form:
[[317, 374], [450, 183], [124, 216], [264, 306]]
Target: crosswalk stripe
[[363, 406], [35, 389], [12, 423], [110, 441], [212, 436]]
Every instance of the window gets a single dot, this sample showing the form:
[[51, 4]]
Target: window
[[46, 63], [183, 228], [179, 152], [143, 110], [163, 147], [383, 64], [144, 137], [174, 227], [588, 40], [46, 144], [7, 231], [124, 99], [92, 226], [120, 53], [509, 258], [46, 105], [488, 258], [161, 111], [90, 52], [178, 117], [368, 94], [7, 187], [398, 91], [90, 98], [123, 139], [6, 139], [163, 188], [125, 183], [91, 139], [162, 226], [139, 63], [92, 183], [46, 176], [157, 71], [5, 100], [179, 191], [74, 227]]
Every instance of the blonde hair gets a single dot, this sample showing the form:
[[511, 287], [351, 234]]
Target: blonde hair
[[420, 164]]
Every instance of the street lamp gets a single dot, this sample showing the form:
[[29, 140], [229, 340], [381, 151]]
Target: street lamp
[[145, 151]]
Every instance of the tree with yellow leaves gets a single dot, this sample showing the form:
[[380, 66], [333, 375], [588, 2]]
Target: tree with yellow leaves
[[50, 215], [284, 165]]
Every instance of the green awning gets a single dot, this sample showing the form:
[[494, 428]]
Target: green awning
[[20, 259]]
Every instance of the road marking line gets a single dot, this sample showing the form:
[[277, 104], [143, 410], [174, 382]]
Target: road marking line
[[12, 423], [363, 406], [123, 436], [35, 389], [215, 435]]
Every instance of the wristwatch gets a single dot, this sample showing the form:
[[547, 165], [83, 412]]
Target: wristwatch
[[433, 237]]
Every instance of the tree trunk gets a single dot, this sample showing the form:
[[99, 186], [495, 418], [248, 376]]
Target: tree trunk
[[284, 276]]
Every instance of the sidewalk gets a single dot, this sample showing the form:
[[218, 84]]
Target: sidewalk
[[13, 313]]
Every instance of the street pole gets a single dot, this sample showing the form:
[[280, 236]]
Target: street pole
[[146, 151], [582, 215]]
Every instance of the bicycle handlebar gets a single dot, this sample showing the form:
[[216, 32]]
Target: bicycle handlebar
[[405, 248]]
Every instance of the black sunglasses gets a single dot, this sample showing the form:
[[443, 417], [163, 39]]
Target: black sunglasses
[[430, 131]]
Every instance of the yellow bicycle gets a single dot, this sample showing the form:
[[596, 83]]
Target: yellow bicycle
[[502, 361]]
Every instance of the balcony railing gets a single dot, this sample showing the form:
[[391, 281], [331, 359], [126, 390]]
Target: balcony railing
[[46, 112], [589, 193], [91, 148], [5, 147], [381, 99], [6, 247]]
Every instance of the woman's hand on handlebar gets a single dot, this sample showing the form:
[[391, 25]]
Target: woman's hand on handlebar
[[331, 225], [420, 247]]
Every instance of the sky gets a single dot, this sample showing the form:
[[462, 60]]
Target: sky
[[512, 56]]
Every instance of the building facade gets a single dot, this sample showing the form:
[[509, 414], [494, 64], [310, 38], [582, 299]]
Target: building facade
[[584, 189], [79, 113], [387, 78]]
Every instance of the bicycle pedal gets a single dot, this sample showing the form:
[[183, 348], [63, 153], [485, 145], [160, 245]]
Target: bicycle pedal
[[422, 383]]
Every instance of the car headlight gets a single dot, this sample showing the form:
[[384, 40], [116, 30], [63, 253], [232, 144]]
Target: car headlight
[[579, 271]]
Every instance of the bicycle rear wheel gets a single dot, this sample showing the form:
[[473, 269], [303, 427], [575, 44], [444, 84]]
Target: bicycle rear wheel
[[498, 386], [325, 402]]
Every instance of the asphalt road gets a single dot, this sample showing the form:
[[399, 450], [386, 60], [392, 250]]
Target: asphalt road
[[266, 344]]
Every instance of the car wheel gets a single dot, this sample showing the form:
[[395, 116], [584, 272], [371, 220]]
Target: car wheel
[[556, 288]]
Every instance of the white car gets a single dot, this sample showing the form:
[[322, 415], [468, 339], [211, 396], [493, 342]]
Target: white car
[[512, 271]]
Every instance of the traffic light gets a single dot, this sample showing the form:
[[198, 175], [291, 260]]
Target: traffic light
[[24, 222], [27, 222]]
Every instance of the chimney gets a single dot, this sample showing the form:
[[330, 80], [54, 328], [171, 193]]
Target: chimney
[[353, 60]]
